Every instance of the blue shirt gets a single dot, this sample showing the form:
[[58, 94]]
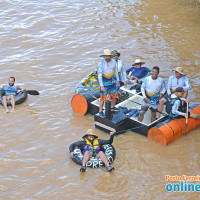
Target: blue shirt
[[138, 72], [12, 89]]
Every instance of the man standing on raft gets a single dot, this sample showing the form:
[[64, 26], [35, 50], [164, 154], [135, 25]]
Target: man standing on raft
[[108, 80], [120, 68], [11, 91], [91, 147]]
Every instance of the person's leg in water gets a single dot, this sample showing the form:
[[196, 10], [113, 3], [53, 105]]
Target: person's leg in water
[[105, 160], [12, 99], [86, 157], [5, 104]]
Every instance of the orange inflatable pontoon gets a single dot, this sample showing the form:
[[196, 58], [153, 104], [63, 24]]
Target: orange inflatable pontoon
[[174, 129]]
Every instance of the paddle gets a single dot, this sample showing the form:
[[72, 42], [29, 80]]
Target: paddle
[[31, 92], [186, 119]]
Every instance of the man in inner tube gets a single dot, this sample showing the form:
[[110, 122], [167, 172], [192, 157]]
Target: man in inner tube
[[91, 147], [174, 105], [10, 92]]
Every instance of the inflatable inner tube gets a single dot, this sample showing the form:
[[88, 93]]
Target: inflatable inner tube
[[108, 149], [19, 98]]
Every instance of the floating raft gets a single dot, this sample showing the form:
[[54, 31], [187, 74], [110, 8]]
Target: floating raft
[[163, 130]]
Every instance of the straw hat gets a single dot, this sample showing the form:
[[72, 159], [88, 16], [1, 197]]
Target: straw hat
[[138, 61], [180, 70], [114, 53], [106, 52], [90, 132]]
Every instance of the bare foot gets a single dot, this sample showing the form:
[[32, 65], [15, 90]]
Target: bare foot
[[7, 111], [12, 110]]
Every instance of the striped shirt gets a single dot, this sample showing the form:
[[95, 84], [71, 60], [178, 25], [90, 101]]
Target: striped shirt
[[107, 72]]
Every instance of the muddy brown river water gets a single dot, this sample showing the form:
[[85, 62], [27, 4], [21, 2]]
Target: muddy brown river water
[[50, 46]]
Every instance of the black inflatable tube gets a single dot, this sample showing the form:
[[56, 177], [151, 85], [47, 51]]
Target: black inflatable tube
[[19, 98], [108, 149]]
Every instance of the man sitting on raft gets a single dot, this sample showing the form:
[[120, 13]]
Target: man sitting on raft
[[91, 147], [174, 105], [153, 88], [11, 91], [137, 71], [179, 79]]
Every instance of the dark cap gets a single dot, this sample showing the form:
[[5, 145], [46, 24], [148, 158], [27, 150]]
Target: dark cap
[[180, 89], [115, 53]]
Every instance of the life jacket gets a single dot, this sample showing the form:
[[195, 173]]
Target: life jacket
[[170, 102], [93, 148]]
